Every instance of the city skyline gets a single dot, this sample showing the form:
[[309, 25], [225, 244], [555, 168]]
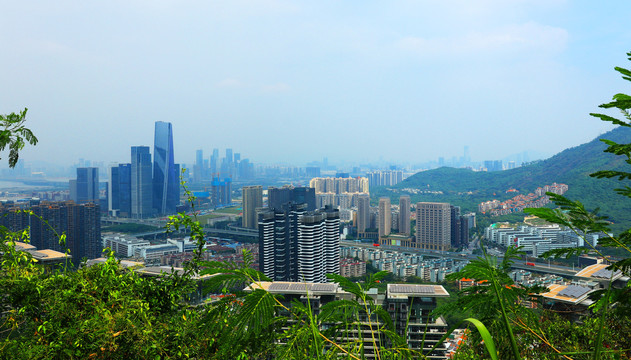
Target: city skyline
[[253, 76]]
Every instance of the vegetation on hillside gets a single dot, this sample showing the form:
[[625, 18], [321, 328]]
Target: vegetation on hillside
[[467, 188]]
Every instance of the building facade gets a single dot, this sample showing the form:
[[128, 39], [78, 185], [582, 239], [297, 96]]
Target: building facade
[[385, 217], [299, 245], [86, 185], [252, 200], [433, 226], [404, 215], [141, 185], [166, 181]]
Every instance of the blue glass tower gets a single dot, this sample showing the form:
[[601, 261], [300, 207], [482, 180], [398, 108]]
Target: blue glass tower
[[166, 185], [140, 182]]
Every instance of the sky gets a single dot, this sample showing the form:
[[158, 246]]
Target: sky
[[292, 81]]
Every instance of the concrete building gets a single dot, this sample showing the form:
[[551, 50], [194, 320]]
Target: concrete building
[[404, 215], [252, 200], [433, 226], [409, 306], [385, 217], [363, 213]]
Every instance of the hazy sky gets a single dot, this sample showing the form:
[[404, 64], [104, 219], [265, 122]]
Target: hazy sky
[[293, 81]]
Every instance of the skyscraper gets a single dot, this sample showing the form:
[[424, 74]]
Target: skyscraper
[[87, 185], [404, 214], [433, 226], [385, 216], [198, 170], [166, 183], [296, 245], [252, 200], [120, 190], [363, 213], [141, 199]]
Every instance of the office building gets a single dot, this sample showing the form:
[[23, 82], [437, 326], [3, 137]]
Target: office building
[[166, 179], [252, 200], [141, 184], [404, 215], [433, 226], [277, 197], [385, 217], [86, 187], [119, 194], [363, 213], [299, 245]]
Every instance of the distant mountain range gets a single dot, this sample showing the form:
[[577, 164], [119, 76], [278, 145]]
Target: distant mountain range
[[572, 166]]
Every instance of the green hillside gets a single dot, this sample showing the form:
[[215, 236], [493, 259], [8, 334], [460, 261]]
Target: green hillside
[[572, 166]]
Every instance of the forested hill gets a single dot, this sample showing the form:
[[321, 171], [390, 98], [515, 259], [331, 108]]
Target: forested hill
[[572, 166]]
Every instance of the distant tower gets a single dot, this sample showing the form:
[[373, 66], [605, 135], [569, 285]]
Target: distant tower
[[252, 200], [404, 215], [385, 216], [433, 226], [87, 185], [166, 183], [141, 204], [198, 173]]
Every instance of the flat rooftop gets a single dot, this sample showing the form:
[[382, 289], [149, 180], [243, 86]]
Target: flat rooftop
[[572, 294], [599, 272], [415, 290], [287, 287]]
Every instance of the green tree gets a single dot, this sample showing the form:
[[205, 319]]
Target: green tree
[[14, 134]]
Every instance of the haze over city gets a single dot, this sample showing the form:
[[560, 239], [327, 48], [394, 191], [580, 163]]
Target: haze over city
[[281, 81]]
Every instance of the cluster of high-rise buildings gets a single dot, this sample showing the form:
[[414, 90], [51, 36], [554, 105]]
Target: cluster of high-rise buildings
[[341, 192], [144, 188], [229, 167], [439, 226], [384, 177]]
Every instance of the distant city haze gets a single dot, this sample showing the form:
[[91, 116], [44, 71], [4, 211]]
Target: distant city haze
[[295, 81]]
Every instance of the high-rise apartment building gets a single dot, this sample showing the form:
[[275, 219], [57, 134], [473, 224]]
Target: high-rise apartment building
[[141, 184], [166, 181], [299, 245], [252, 200], [385, 217], [459, 228], [404, 215], [86, 186], [433, 226], [363, 213], [80, 222], [221, 192]]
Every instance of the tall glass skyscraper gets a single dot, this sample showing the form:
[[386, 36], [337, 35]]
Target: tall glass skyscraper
[[140, 182], [166, 184]]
